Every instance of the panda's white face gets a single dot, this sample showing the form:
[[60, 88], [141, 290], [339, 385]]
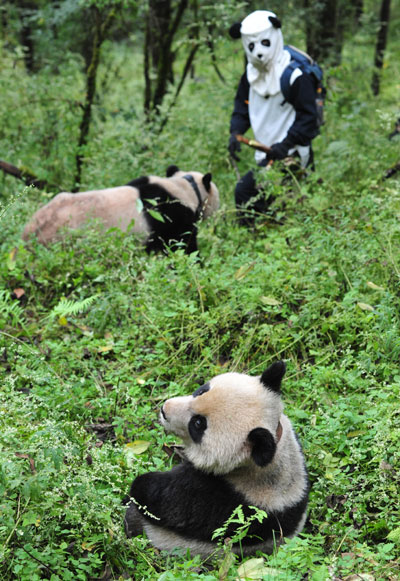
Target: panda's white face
[[216, 420], [263, 48], [259, 48]]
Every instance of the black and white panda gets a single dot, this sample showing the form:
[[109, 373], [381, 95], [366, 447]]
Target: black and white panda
[[162, 210], [240, 449]]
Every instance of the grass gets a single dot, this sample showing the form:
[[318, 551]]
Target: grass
[[103, 333]]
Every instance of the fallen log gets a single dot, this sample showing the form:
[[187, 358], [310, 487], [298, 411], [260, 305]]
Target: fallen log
[[26, 176]]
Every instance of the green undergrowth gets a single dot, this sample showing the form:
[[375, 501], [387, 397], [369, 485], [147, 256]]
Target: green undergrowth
[[95, 333]]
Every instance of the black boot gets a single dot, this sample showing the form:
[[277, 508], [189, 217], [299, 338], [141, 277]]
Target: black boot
[[250, 200]]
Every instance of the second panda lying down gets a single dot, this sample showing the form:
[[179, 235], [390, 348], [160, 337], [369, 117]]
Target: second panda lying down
[[241, 450], [163, 210]]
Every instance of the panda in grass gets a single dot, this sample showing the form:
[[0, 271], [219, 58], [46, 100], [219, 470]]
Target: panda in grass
[[240, 449], [163, 211]]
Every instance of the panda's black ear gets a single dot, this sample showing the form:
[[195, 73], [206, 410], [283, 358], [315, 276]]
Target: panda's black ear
[[276, 23], [171, 170], [263, 446], [206, 179], [234, 31], [272, 377]]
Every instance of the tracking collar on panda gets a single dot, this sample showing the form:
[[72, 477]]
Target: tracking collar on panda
[[191, 181], [263, 44]]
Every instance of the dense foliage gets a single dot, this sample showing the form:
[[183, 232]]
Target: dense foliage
[[95, 334]]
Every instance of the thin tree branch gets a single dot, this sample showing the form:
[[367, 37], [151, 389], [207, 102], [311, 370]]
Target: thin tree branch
[[147, 84], [210, 44], [175, 24], [380, 45]]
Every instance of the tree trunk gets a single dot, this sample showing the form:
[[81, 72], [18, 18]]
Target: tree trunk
[[100, 31], [186, 69], [381, 45], [358, 11], [324, 29], [26, 9], [162, 24]]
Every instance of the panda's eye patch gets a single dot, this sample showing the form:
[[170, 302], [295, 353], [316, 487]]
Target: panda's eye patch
[[266, 42], [202, 389], [197, 427], [251, 46]]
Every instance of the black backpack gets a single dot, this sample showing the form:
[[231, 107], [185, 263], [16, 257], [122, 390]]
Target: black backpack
[[306, 64]]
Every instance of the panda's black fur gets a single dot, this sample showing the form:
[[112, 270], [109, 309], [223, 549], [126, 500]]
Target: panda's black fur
[[178, 224], [256, 460]]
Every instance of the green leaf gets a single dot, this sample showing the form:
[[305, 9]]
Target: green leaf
[[137, 447], [255, 568], [139, 205], [394, 536], [374, 286], [156, 215], [365, 307], [152, 202], [244, 270], [226, 564], [11, 258], [270, 301]]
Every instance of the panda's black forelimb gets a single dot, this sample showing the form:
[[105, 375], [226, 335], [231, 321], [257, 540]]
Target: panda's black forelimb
[[185, 500], [194, 504], [133, 522]]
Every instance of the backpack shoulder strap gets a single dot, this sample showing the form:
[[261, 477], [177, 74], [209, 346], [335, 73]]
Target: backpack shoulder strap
[[285, 78], [298, 59]]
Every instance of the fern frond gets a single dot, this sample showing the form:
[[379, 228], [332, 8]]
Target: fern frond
[[10, 308], [67, 307]]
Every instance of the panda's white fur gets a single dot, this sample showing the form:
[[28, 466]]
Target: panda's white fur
[[181, 197], [243, 451]]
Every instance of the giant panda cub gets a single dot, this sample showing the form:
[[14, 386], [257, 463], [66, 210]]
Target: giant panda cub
[[240, 450], [163, 211]]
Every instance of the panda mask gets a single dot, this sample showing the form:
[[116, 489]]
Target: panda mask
[[266, 58]]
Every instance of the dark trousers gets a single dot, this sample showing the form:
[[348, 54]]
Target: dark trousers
[[251, 199]]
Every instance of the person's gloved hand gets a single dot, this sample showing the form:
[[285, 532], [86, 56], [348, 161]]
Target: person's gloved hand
[[234, 146], [279, 150]]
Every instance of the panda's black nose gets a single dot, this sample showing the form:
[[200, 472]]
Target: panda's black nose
[[260, 56]]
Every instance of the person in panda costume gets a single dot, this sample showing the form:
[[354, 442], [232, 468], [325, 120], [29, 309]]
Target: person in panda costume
[[286, 125], [240, 450]]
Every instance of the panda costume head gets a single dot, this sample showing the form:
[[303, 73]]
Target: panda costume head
[[262, 41], [180, 200], [240, 450]]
